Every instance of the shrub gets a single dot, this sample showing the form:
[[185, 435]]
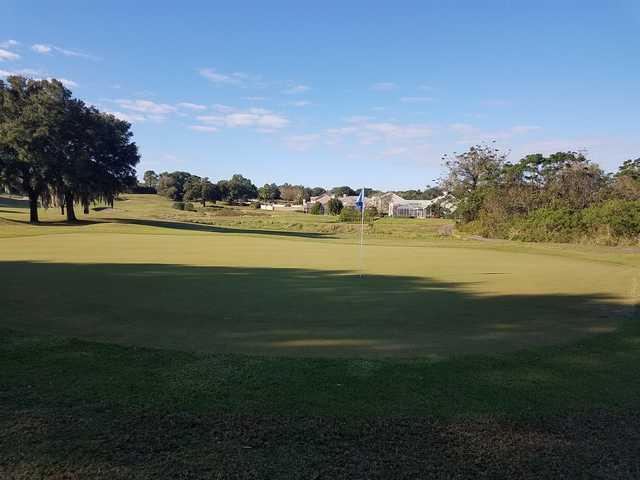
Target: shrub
[[178, 205], [188, 206], [255, 205], [316, 209], [549, 225], [353, 215], [335, 206], [621, 218]]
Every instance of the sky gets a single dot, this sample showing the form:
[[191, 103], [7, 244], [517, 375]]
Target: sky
[[360, 93]]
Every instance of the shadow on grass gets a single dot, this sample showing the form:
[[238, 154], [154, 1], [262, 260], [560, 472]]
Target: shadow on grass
[[282, 312], [53, 223], [199, 227]]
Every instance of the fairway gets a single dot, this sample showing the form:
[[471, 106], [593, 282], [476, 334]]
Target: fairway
[[224, 290], [269, 344]]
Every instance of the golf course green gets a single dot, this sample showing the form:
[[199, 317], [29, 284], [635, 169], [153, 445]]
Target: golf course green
[[228, 339], [161, 284]]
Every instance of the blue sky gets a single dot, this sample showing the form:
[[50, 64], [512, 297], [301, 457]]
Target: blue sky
[[331, 93]]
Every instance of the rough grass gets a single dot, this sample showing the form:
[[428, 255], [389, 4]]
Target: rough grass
[[447, 359]]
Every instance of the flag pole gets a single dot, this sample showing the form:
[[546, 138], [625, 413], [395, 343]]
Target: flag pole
[[362, 236]]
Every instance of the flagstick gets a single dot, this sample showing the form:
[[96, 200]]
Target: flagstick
[[362, 239]]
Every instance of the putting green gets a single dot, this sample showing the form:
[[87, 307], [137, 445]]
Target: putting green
[[159, 284]]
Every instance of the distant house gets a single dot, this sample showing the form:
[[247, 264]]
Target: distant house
[[350, 201], [382, 201], [436, 207], [321, 199]]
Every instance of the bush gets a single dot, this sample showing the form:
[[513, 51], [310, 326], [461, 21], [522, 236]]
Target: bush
[[178, 205], [142, 189], [255, 205], [316, 209], [620, 218], [188, 206], [549, 225], [353, 215], [335, 206]]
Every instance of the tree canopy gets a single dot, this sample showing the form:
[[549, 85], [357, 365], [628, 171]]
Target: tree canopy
[[57, 150]]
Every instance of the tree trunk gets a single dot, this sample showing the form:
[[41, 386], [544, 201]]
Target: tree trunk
[[71, 214], [204, 202], [33, 208], [86, 209], [61, 208]]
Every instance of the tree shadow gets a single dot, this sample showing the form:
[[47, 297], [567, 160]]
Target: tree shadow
[[199, 227], [298, 312], [54, 223]]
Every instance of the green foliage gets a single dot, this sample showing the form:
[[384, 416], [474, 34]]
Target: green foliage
[[63, 150], [353, 215], [178, 205], [549, 225], [344, 190], [620, 218], [316, 191], [292, 193], [173, 185], [268, 192], [240, 189], [316, 209], [428, 193], [150, 178], [630, 168], [612, 222], [334, 206]]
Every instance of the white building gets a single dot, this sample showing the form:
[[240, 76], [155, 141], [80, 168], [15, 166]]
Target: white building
[[445, 203]]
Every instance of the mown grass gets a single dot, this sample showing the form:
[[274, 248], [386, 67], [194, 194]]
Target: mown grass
[[278, 354]]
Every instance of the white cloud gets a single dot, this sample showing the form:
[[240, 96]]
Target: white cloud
[[395, 151], [9, 44], [255, 99], [46, 49], [192, 106], [471, 134], [222, 108], [7, 55], [66, 82], [260, 118], [296, 89], [358, 119], [300, 103], [128, 117], [146, 106], [416, 99], [383, 86], [237, 79], [519, 129], [36, 75], [399, 130], [301, 143], [203, 128], [40, 48]]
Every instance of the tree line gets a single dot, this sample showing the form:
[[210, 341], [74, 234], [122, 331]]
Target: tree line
[[560, 197], [184, 186], [57, 150]]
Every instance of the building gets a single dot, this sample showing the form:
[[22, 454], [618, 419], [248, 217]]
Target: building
[[350, 201], [321, 199], [382, 201], [436, 207]]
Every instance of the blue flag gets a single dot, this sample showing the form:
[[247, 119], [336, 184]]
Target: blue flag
[[360, 201]]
